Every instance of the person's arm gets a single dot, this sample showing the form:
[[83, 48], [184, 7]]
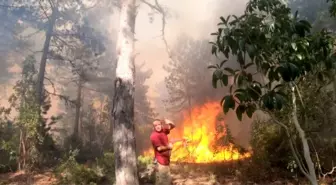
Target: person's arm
[[164, 148], [156, 141]]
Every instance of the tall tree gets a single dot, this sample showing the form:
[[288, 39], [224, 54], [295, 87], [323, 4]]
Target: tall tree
[[35, 142], [144, 113], [188, 80], [284, 52], [85, 63], [60, 19], [123, 101]]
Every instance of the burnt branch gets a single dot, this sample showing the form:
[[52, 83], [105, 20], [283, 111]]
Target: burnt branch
[[66, 99], [44, 10], [51, 83], [158, 8]]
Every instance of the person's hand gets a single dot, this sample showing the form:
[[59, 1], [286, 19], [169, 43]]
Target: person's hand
[[167, 121], [170, 145]]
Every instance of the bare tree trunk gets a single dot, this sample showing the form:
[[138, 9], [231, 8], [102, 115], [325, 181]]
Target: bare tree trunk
[[24, 151], [123, 102], [40, 80], [334, 85], [306, 151], [20, 152], [78, 107], [80, 126]]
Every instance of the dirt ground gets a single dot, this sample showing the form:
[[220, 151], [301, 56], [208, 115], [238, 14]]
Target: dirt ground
[[47, 178], [181, 174], [22, 178]]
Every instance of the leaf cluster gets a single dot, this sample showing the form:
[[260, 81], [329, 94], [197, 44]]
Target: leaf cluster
[[268, 41]]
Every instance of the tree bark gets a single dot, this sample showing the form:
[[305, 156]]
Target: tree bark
[[40, 80], [123, 102], [20, 151], [306, 151], [334, 85]]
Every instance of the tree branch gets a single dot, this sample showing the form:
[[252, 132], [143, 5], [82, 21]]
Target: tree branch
[[302, 135], [319, 164], [296, 156], [158, 8], [62, 97], [51, 83]]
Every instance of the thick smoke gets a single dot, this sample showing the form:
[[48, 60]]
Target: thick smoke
[[195, 19]]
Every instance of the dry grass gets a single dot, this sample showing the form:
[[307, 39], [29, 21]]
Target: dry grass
[[215, 174]]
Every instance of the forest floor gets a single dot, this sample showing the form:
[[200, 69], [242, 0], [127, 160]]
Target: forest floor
[[23, 178], [181, 174], [47, 178], [206, 174]]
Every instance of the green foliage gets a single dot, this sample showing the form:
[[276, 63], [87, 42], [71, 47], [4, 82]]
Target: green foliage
[[145, 160], [269, 146], [27, 141], [146, 169], [277, 54], [271, 153], [99, 172], [268, 41], [9, 139], [72, 173], [106, 163], [332, 8]]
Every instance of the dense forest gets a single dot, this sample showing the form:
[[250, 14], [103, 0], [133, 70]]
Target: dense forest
[[256, 98]]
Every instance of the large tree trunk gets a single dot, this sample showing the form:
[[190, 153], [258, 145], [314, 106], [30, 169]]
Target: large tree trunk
[[123, 102], [40, 80], [306, 151]]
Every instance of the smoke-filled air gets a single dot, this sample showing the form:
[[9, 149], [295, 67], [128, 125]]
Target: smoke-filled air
[[167, 92]]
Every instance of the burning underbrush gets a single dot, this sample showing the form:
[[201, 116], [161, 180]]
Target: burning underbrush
[[205, 133]]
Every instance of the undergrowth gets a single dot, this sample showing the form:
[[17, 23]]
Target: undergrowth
[[101, 171], [70, 172]]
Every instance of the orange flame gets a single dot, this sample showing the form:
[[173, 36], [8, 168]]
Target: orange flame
[[199, 127]]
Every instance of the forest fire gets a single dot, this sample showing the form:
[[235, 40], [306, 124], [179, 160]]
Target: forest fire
[[203, 130]]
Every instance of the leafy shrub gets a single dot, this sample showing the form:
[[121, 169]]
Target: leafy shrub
[[146, 169], [72, 173], [144, 161], [270, 146], [106, 163], [271, 153]]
